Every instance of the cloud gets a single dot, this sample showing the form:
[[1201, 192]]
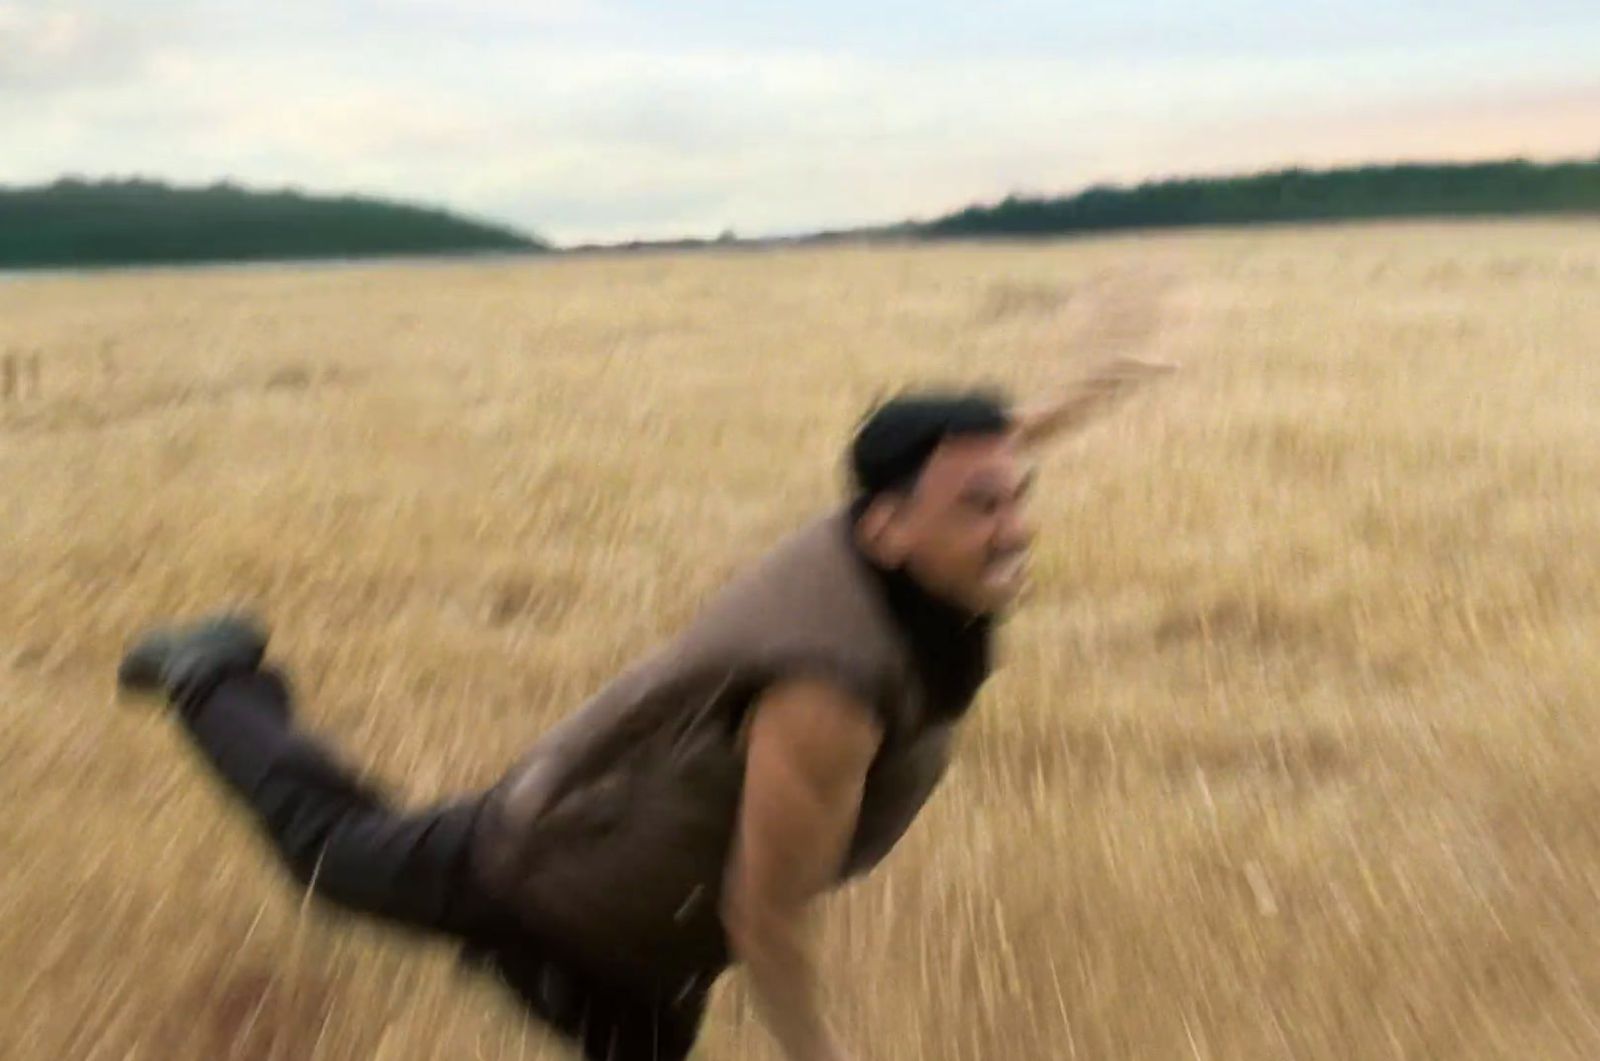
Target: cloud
[[1537, 124], [48, 48], [584, 120]]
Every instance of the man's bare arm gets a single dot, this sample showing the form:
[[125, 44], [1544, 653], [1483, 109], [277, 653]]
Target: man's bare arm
[[1039, 423], [810, 745]]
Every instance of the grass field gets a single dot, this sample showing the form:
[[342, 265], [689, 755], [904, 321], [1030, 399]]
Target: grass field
[[1295, 751]]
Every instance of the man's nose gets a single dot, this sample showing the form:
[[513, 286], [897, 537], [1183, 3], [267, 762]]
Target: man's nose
[[1015, 532]]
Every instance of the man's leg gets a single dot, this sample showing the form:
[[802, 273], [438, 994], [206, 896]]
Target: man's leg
[[335, 835], [621, 1027], [607, 1022]]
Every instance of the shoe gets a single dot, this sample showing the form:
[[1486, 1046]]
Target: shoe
[[186, 662]]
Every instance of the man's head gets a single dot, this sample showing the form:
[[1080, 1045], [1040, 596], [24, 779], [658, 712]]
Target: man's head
[[943, 485]]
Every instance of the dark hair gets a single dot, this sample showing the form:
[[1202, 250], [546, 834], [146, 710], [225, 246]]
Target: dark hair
[[896, 438]]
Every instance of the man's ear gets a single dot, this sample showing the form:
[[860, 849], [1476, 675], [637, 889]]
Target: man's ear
[[881, 532]]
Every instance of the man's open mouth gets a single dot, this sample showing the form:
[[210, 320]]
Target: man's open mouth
[[1006, 570]]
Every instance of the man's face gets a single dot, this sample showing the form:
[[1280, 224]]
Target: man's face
[[961, 531]]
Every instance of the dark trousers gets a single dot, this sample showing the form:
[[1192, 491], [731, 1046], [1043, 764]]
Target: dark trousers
[[340, 839]]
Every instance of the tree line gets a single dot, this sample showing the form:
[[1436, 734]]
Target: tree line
[[81, 223], [1468, 189]]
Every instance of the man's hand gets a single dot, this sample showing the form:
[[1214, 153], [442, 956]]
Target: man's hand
[[810, 745], [1092, 394]]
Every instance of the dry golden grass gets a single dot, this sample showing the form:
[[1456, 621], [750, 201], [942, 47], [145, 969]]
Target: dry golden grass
[[1294, 752]]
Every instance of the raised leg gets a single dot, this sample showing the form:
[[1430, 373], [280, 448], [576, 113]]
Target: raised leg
[[335, 834]]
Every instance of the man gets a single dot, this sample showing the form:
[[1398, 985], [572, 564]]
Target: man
[[690, 812]]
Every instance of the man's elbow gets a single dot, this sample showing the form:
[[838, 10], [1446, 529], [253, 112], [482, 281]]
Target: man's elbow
[[754, 928], [739, 920]]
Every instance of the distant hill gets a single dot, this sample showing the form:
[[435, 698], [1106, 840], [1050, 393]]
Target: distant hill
[[81, 223], [85, 223], [1469, 189]]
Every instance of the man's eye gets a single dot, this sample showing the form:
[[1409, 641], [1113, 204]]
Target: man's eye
[[984, 505]]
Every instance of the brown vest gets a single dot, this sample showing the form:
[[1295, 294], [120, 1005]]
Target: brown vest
[[610, 838]]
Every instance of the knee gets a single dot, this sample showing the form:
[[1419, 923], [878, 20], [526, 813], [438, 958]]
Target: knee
[[304, 863], [307, 844], [339, 864], [316, 870], [306, 860]]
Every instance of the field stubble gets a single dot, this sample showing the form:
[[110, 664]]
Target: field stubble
[[1292, 754]]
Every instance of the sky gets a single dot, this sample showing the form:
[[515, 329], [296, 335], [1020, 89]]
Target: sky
[[613, 120]]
